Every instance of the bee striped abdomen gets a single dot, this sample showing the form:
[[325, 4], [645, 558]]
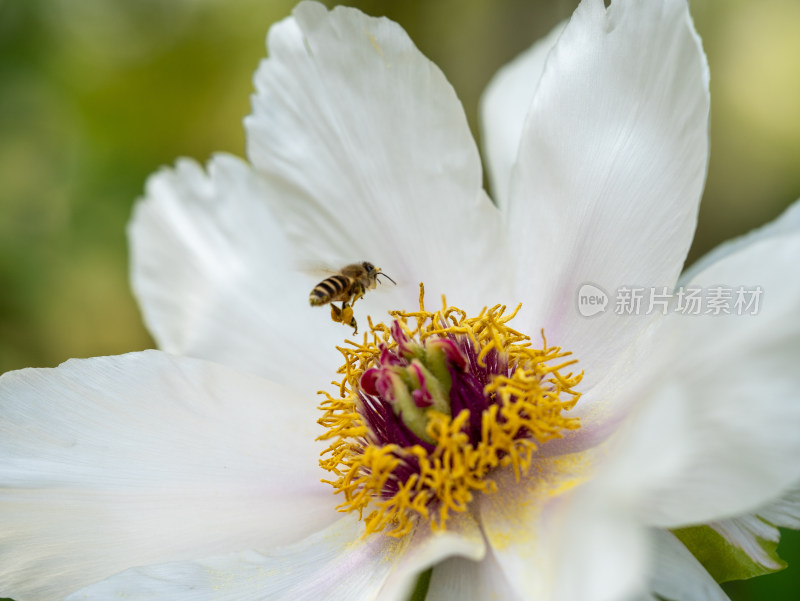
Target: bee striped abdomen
[[330, 289]]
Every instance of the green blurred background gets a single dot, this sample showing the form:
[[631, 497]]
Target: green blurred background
[[97, 94]]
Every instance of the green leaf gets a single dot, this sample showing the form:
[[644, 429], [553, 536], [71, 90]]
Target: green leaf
[[721, 559], [421, 589]]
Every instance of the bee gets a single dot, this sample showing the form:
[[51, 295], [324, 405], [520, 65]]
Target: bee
[[346, 287]]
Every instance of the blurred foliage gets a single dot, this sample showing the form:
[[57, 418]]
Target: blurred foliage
[[97, 94]]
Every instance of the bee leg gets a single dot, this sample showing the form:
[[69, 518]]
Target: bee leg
[[347, 317], [336, 314]]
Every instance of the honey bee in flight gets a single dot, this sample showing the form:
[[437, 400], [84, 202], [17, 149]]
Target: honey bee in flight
[[346, 287]]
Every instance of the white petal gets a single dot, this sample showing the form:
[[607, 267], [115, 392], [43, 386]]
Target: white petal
[[462, 538], [504, 107], [550, 528], [748, 533], [604, 405], [459, 579], [610, 169], [717, 436], [785, 511], [787, 223], [332, 564], [214, 277], [678, 575], [336, 563], [369, 157], [120, 461], [756, 532]]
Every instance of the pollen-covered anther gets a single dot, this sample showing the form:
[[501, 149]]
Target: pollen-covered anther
[[434, 402]]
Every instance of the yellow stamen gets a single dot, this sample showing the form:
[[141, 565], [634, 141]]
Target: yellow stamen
[[526, 411]]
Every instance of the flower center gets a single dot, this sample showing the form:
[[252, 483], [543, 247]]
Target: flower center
[[430, 405]]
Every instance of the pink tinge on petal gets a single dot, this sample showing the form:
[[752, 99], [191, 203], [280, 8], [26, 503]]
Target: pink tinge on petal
[[454, 356], [402, 340], [369, 381], [422, 396]]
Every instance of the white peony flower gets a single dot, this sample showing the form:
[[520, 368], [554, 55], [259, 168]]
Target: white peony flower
[[158, 476]]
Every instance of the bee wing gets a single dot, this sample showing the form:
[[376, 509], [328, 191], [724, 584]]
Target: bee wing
[[325, 270], [319, 272]]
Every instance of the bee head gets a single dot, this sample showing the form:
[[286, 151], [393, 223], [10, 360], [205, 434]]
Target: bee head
[[373, 273]]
